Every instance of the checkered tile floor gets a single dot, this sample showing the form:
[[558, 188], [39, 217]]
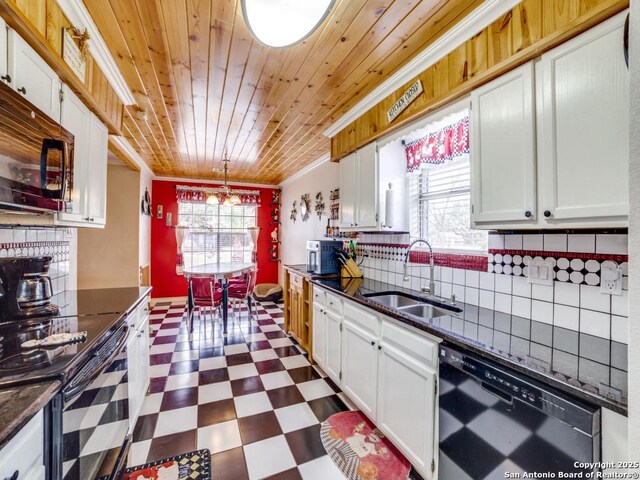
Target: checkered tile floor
[[251, 397]]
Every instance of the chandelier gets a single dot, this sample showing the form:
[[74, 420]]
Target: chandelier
[[225, 192], [282, 23]]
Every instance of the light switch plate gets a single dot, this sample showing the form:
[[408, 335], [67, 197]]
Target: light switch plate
[[611, 280], [540, 272]]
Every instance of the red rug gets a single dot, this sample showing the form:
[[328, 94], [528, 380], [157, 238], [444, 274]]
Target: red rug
[[360, 450]]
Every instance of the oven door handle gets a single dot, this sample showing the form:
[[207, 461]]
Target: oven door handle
[[71, 393]]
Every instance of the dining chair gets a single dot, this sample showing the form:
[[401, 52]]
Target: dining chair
[[241, 289], [206, 292]]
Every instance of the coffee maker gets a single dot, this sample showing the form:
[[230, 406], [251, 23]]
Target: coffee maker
[[25, 288]]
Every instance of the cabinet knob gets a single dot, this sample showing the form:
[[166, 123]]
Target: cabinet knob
[[6, 78], [547, 213], [22, 90], [373, 343], [15, 475], [379, 347], [527, 214]]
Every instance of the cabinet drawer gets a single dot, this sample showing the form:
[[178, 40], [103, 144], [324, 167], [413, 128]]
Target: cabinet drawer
[[334, 303], [363, 318], [296, 280], [24, 452], [410, 341], [319, 296]]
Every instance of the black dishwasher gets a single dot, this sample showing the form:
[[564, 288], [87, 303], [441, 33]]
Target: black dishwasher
[[495, 421]]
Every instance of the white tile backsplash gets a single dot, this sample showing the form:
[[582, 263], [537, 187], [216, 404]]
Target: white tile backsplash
[[566, 317], [592, 299], [576, 307], [594, 323]]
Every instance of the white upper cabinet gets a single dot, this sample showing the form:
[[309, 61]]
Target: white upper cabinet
[[4, 66], [32, 77], [503, 149], [584, 129], [365, 175], [348, 191], [75, 118], [550, 142], [367, 187], [96, 181], [89, 197]]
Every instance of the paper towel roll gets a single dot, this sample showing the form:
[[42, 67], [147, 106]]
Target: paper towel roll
[[388, 208]]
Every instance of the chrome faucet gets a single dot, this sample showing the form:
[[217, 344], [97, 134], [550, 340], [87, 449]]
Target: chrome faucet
[[432, 283]]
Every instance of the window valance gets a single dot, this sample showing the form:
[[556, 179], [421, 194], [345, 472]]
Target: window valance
[[200, 195], [438, 146]]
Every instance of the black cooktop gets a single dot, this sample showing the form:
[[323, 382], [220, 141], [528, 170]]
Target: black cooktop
[[20, 364]]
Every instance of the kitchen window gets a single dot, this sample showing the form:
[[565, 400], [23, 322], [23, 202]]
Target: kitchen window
[[217, 233], [442, 207]]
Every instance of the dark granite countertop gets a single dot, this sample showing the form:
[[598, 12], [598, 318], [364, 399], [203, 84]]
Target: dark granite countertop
[[20, 404], [100, 301], [587, 367]]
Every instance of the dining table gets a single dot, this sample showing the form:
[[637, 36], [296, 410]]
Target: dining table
[[220, 271]]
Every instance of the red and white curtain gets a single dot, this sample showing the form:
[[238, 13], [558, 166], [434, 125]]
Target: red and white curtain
[[439, 145], [200, 195]]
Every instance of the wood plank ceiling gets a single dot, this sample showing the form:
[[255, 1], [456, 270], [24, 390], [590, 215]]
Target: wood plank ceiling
[[204, 86]]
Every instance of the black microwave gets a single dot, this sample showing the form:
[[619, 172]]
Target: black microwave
[[36, 158]]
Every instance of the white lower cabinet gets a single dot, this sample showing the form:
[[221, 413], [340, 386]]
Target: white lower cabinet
[[334, 346], [25, 452], [319, 334], [360, 331], [138, 361], [390, 371], [408, 400]]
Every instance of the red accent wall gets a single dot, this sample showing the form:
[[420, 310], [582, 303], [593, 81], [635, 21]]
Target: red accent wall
[[164, 280]]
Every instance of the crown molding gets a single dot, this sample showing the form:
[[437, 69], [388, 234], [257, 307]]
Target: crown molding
[[126, 147], [323, 159], [79, 16], [462, 31]]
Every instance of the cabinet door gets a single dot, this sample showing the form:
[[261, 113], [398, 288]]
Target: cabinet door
[[4, 67], [348, 191], [367, 186], [503, 153], [133, 375], [360, 366], [319, 335], [407, 404], [585, 129], [76, 118], [96, 191], [32, 77], [143, 355], [333, 348]]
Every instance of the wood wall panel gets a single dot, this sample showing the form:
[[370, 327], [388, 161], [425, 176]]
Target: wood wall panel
[[525, 32], [41, 23]]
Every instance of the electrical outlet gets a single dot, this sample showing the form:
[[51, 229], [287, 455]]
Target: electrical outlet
[[611, 280], [540, 272]]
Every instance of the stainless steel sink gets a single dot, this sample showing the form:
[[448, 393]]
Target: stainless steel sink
[[394, 300], [409, 305], [424, 310]]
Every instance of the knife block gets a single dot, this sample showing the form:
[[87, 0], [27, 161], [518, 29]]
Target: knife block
[[351, 270]]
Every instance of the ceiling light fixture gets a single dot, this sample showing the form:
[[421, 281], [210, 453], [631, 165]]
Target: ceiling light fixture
[[224, 192], [282, 23]]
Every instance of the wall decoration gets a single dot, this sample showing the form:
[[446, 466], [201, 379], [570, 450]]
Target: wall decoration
[[274, 235], [75, 54], [305, 206], [159, 213], [274, 247], [145, 204], [275, 197], [335, 204], [169, 219], [294, 212], [319, 208]]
